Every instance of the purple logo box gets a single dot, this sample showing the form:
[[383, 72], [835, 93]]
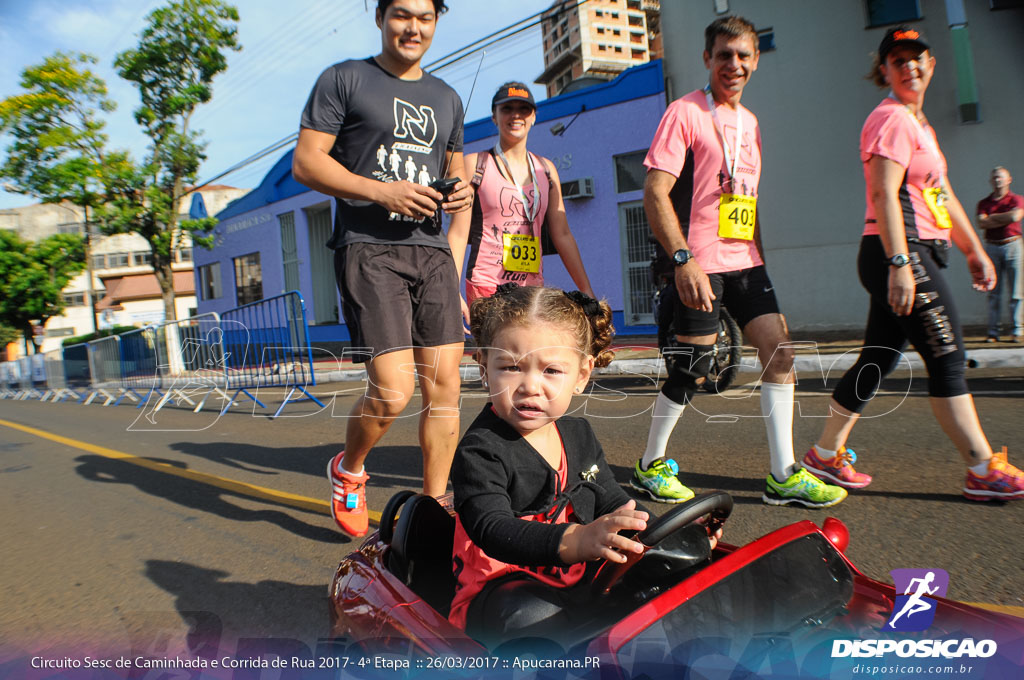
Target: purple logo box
[[914, 608]]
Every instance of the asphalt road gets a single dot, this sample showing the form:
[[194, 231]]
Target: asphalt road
[[131, 530]]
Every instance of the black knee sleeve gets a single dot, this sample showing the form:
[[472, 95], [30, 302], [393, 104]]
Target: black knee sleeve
[[690, 368]]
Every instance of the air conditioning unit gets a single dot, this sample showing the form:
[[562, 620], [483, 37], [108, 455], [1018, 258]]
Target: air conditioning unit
[[578, 188]]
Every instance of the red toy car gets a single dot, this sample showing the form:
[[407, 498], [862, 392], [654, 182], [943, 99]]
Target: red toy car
[[787, 605]]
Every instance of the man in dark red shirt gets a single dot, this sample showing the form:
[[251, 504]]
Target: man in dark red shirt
[[999, 218]]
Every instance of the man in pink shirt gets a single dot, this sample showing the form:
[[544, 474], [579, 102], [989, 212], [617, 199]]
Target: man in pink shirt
[[999, 217], [700, 197]]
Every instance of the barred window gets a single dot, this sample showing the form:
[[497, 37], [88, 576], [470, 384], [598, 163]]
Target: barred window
[[209, 281], [248, 278]]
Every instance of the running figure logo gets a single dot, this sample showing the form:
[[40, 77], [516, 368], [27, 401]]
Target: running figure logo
[[914, 609]]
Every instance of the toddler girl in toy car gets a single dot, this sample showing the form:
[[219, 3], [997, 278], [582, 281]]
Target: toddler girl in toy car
[[534, 497]]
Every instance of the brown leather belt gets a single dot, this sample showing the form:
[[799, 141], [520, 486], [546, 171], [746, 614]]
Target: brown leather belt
[[1004, 241]]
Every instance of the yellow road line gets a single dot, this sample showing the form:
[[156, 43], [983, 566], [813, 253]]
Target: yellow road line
[[282, 497], [241, 488]]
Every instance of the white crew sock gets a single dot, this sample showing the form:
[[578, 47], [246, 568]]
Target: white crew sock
[[981, 469], [777, 409], [342, 470], [663, 421], [824, 454]]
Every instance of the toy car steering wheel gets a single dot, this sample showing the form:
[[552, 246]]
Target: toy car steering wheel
[[717, 504]]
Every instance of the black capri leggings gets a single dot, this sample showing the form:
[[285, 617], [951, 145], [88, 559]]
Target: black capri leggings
[[933, 328]]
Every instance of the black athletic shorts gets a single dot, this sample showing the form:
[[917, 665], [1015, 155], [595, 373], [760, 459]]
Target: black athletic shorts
[[398, 296], [746, 293]]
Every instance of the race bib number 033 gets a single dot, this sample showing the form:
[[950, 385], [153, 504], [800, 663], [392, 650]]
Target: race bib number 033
[[736, 216], [520, 253]]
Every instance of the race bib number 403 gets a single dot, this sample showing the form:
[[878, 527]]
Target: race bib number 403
[[520, 253], [736, 216]]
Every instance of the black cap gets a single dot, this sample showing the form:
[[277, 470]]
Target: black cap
[[900, 35], [512, 92]]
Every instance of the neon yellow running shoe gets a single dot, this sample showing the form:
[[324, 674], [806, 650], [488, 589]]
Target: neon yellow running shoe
[[660, 482], [804, 488]]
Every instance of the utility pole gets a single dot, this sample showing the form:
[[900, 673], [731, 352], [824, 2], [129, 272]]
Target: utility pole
[[88, 271]]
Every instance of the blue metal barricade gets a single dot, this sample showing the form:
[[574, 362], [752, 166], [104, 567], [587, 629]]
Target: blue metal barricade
[[56, 378], [105, 369], [266, 344], [191, 353], [8, 380], [29, 373], [38, 372], [139, 363], [77, 375]]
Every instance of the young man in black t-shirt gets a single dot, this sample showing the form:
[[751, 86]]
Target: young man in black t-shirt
[[374, 133]]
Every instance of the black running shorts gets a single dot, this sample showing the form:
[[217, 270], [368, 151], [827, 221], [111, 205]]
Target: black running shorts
[[746, 293], [398, 296]]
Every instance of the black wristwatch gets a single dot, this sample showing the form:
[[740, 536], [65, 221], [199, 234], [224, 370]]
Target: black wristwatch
[[681, 257], [899, 260]]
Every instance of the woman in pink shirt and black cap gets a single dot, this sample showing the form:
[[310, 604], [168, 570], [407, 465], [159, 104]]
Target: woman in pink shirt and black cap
[[518, 195], [912, 219]]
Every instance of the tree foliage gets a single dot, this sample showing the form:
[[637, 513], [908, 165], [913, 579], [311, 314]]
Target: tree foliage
[[33, 276], [57, 151], [182, 48], [8, 335]]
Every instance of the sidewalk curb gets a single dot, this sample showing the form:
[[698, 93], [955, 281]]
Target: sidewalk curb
[[804, 363], [826, 363]]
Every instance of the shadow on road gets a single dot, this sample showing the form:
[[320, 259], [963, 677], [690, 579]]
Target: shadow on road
[[219, 610], [698, 483], [382, 463], [198, 496]]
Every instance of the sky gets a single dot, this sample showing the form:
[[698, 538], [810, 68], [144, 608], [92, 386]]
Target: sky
[[286, 45]]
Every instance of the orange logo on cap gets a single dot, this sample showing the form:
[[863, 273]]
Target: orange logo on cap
[[906, 35], [517, 92]]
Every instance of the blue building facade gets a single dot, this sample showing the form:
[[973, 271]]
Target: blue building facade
[[272, 239]]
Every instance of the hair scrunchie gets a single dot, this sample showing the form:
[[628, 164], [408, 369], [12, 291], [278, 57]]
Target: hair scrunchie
[[505, 289], [590, 306]]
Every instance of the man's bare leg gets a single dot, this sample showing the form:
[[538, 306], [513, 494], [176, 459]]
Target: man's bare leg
[[441, 386], [389, 387]]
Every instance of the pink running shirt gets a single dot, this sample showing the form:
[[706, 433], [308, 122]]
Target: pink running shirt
[[687, 146], [497, 210], [890, 132]]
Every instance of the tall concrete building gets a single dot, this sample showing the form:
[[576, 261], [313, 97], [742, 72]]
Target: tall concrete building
[[597, 40]]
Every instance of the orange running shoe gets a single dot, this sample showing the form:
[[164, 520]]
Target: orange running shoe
[[348, 499], [838, 470], [1003, 482]]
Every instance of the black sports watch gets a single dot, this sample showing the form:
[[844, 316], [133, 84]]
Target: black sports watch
[[899, 260], [681, 257]]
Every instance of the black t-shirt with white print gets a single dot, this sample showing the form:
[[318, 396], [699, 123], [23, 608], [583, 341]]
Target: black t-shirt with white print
[[387, 129]]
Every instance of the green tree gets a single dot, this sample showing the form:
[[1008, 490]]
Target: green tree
[[8, 335], [57, 147], [57, 152], [33, 277], [182, 48]]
